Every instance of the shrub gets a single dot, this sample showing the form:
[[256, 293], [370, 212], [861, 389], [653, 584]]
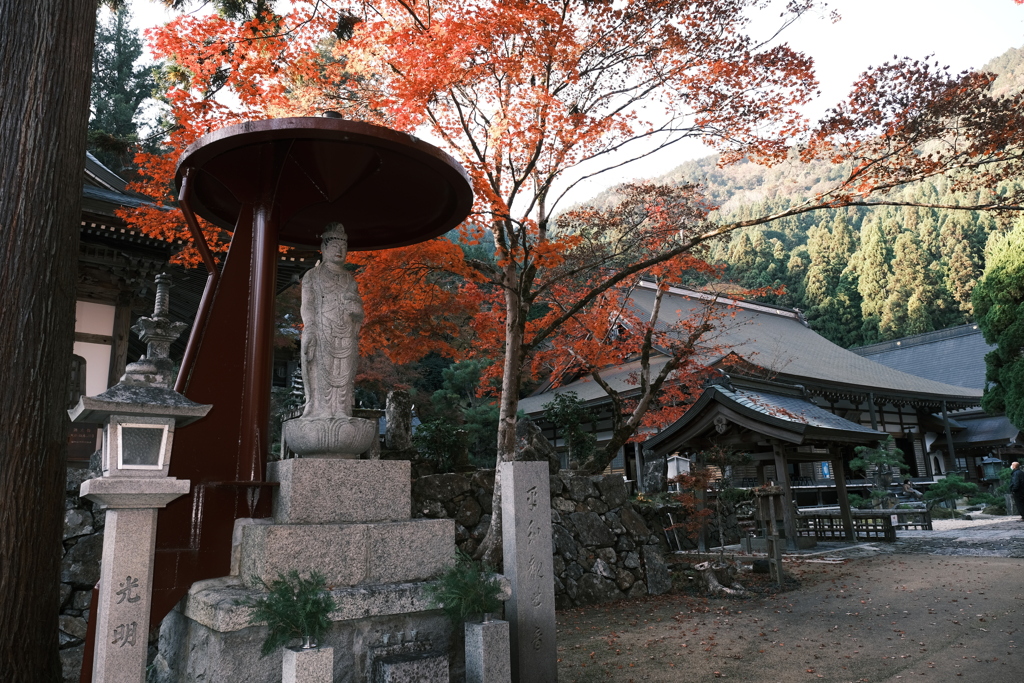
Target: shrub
[[568, 413], [440, 441], [950, 489], [465, 589], [294, 608]]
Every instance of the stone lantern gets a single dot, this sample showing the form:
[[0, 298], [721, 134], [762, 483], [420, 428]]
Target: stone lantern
[[139, 415]]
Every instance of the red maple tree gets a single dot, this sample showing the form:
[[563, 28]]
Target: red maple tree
[[532, 97]]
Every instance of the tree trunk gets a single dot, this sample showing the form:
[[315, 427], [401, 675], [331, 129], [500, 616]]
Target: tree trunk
[[45, 60], [490, 550], [719, 578]]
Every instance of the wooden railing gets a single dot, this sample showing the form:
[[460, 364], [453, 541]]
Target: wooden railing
[[867, 524]]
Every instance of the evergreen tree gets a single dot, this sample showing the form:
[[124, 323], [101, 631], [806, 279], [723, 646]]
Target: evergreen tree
[[906, 310], [456, 406], [928, 237], [999, 306], [817, 287], [962, 275], [838, 318], [119, 87], [796, 270], [873, 261], [741, 256]]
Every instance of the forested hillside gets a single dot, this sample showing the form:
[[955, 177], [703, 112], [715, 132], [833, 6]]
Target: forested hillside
[[859, 275]]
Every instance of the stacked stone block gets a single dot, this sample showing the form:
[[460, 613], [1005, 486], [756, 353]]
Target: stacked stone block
[[79, 572], [350, 521]]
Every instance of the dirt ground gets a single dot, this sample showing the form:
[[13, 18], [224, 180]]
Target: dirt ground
[[885, 617]]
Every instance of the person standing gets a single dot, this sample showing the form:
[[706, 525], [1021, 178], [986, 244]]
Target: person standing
[[1017, 487]]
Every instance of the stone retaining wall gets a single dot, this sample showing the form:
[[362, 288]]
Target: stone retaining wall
[[79, 571], [603, 548]]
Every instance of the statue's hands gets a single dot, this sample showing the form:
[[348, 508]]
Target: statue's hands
[[309, 348]]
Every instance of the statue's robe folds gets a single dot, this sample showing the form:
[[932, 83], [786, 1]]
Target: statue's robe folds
[[332, 314]]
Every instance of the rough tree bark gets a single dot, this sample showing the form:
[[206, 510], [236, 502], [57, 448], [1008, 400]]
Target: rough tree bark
[[45, 69], [719, 578]]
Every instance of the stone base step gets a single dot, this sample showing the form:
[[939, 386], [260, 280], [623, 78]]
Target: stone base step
[[348, 554], [428, 667], [325, 491], [209, 636]]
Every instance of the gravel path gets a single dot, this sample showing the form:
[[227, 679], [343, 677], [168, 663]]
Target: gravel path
[[945, 605], [985, 537]]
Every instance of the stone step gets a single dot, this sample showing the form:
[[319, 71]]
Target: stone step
[[348, 554], [335, 491]]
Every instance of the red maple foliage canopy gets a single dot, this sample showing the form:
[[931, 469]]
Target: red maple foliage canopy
[[534, 96]]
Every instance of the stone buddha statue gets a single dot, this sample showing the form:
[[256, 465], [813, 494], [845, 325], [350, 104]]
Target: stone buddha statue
[[332, 314]]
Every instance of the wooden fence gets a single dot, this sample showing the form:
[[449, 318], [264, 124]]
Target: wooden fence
[[878, 525]]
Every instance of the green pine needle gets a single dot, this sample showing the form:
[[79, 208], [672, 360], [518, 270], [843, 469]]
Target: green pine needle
[[293, 608], [464, 590]]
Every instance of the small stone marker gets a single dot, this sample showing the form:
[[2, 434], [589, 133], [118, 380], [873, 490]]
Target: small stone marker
[[487, 653], [315, 665], [398, 416], [526, 539], [122, 630]]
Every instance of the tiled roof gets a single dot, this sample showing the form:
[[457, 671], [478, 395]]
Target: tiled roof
[[981, 430], [780, 413], [790, 409], [780, 342], [955, 355], [773, 338]]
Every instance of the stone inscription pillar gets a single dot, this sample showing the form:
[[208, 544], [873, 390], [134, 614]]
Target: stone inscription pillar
[[526, 542], [122, 630], [126, 572]]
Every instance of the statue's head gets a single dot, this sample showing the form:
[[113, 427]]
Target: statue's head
[[334, 231], [334, 243]]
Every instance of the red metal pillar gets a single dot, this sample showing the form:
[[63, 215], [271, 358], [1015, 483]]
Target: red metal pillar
[[224, 455]]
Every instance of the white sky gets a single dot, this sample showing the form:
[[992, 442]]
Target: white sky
[[959, 33]]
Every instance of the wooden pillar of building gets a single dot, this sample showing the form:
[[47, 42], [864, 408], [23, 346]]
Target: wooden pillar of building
[[844, 498], [788, 512], [119, 337], [949, 438], [926, 456]]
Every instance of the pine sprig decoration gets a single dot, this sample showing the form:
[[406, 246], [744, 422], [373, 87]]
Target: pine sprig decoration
[[294, 608], [465, 589]]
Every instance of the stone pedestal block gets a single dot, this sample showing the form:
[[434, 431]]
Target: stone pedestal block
[[487, 652], [209, 637], [349, 554], [321, 491], [429, 667], [308, 666], [126, 571]]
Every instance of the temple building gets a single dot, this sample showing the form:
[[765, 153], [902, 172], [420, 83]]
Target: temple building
[[785, 395]]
